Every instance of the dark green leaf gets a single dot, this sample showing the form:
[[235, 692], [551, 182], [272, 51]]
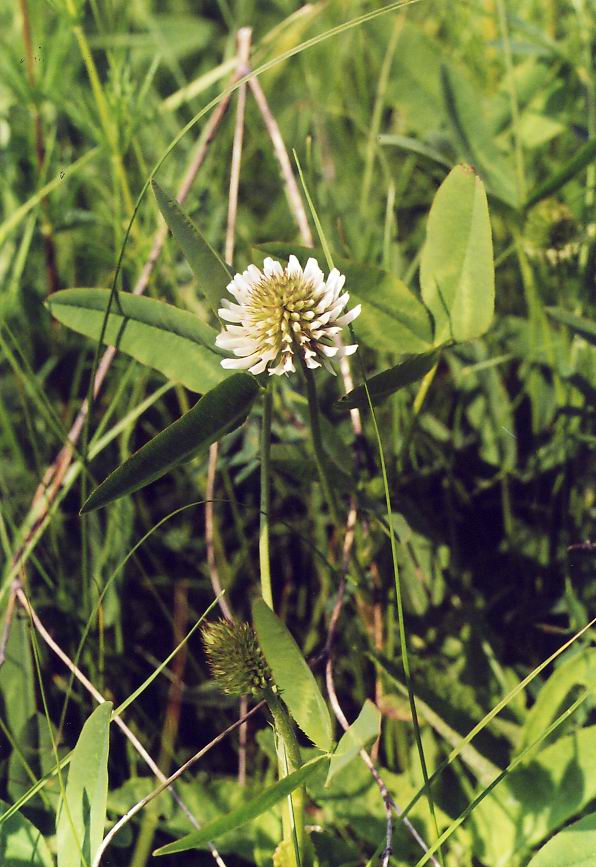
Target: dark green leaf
[[250, 810], [380, 386], [581, 160], [586, 328], [81, 817], [413, 145], [456, 269], [292, 675], [157, 334], [212, 273], [218, 412]]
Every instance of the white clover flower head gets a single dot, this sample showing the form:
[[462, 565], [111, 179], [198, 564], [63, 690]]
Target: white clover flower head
[[281, 312]]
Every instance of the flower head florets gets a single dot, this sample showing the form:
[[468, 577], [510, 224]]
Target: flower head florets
[[281, 312], [235, 658]]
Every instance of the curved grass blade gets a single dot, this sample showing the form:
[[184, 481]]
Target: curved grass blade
[[585, 328], [159, 335], [218, 412], [381, 386]]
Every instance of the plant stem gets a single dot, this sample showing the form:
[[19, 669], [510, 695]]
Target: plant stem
[[317, 441], [266, 498]]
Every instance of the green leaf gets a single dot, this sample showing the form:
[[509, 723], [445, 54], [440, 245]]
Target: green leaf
[[558, 179], [81, 817], [382, 385], [585, 328], [363, 731], [393, 319], [536, 798], [573, 847], [16, 677], [212, 273], [218, 412], [578, 671], [249, 810], [456, 270], [292, 675], [21, 843], [172, 341]]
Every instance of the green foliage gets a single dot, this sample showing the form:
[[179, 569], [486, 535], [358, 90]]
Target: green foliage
[[172, 341], [365, 729], [21, 843], [82, 810], [217, 413], [293, 677], [572, 847]]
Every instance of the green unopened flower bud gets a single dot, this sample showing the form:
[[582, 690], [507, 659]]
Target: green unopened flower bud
[[235, 658]]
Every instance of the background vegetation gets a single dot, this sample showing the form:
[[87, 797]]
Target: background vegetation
[[489, 462]]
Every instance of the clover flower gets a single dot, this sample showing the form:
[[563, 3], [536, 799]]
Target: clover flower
[[235, 658], [281, 312]]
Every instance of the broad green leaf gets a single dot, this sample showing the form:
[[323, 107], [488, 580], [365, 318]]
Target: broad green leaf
[[21, 843], [586, 328], [536, 798], [81, 817], [292, 675], [578, 671], [250, 810], [573, 847], [456, 270], [363, 731], [382, 385], [393, 319], [221, 410], [212, 273], [157, 334]]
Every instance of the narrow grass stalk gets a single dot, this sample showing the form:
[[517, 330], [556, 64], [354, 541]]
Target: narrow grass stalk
[[317, 441], [265, 566]]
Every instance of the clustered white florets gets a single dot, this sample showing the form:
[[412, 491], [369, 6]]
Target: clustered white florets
[[281, 312]]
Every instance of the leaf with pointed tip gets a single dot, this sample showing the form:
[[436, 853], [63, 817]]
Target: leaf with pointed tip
[[292, 675], [585, 328], [361, 733], [172, 341], [218, 412], [212, 273], [21, 843], [457, 274], [382, 385], [248, 811], [81, 816]]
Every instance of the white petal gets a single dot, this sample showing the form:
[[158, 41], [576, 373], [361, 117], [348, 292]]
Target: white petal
[[311, 363], [349, 316], [259, 367], [294, 269], [231, 315], [312, 271], [271, 268], [253, 275], [231, 341], [239, 363], [329, 351], [347, 350]]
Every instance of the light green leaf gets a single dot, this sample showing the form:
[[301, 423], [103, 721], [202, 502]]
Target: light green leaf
[[212, 273], [363, 731], [21, 844], [249, 810], [573, 847], [292, 675], [221, 410], [456, 269], [16, 677], [172, 341], [578, 671], [81, 817], [393, 319], [586, 328], [382, 385]]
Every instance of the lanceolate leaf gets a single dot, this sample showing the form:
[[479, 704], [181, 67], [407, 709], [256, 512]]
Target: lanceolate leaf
[[292, 675], [393, 319], [212, 273], [218, 412], [456, 270], [157, 334], [411, 369], [21, 843], [575, 846], [362, 732], [80, 823], [253, 808]]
